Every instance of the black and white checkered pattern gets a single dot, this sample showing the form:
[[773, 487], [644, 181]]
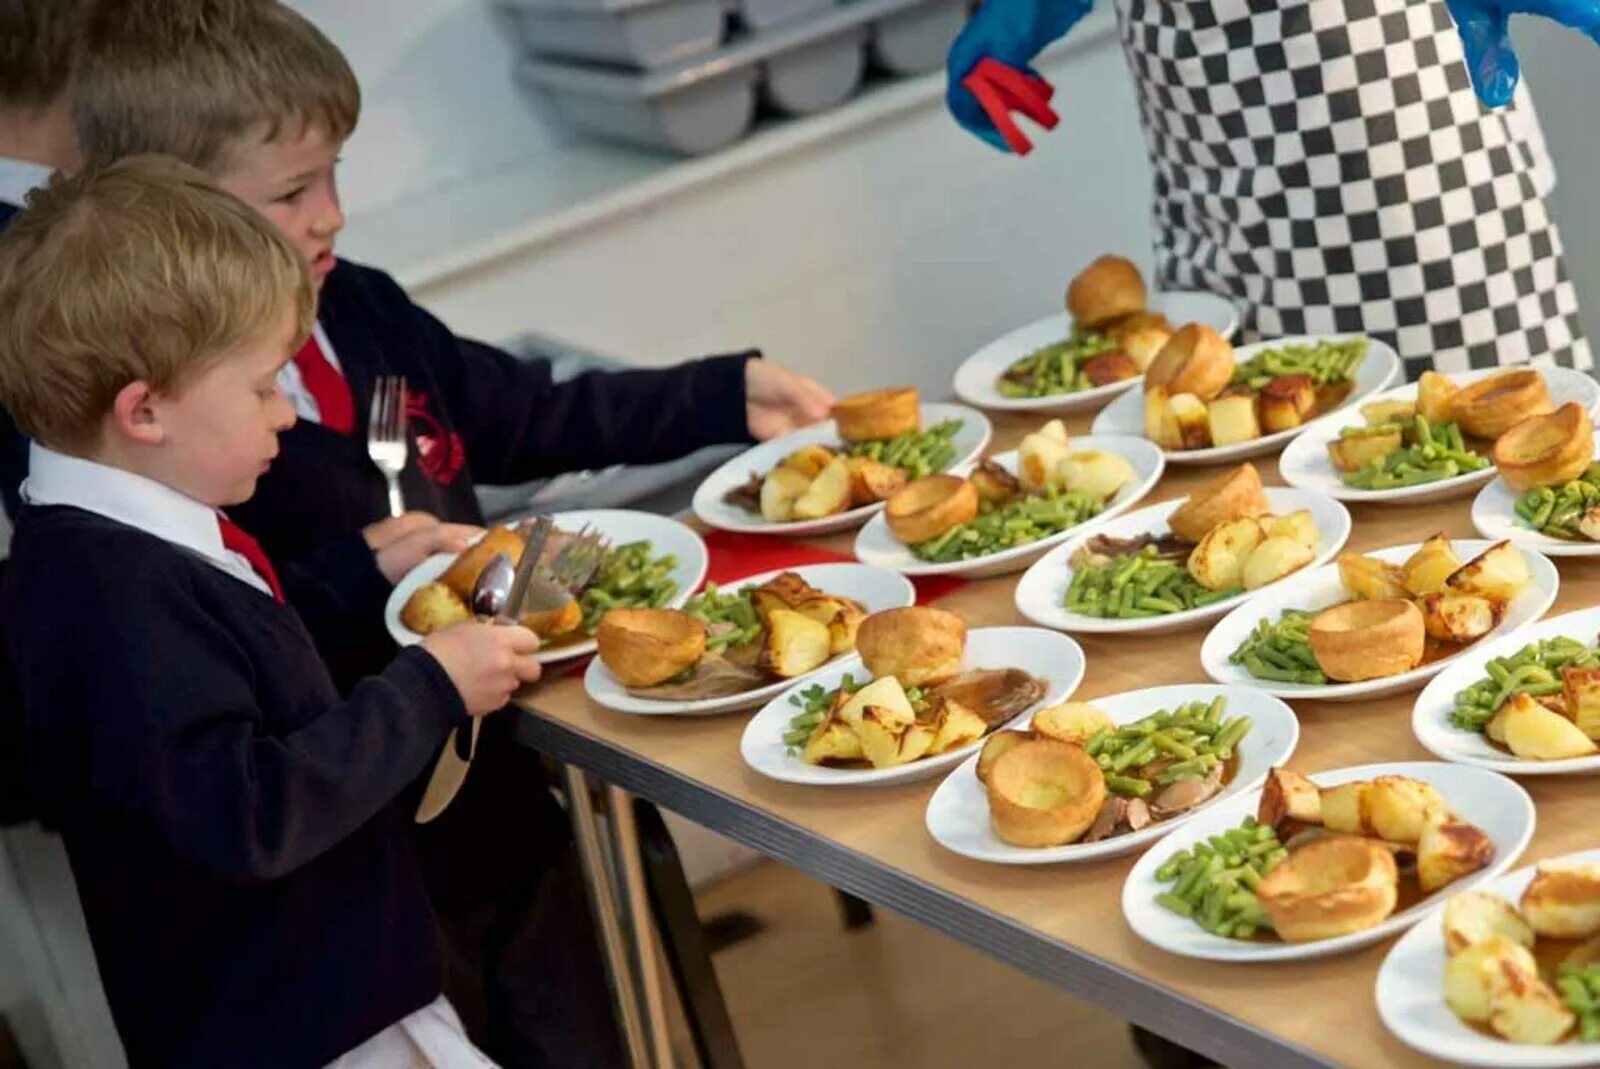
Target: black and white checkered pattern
[[1327, 163]]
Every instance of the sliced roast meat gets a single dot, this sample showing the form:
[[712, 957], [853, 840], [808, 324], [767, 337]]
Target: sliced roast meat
[[1178, 798], [996, 694], [714, 677]]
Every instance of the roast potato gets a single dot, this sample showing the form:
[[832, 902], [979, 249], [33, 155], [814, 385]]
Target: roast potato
[[1232, 419], [1435, 394], [1355, 451], [1288, 796], [1098, 474], [832, 742], [1427, 570], [1498, 573], [1038, 457], [1194, 420], [1398, 808], [887, 742], [1297, 525], [1160, 422], [1273, 559], [1563, 901], [994, 483], [1218, 562], [1522, 1008], [1286, 401], [1536, 733], [1074, 722], [779, 491], [843, 627], [1457, 617], [1378, 412], [1474, 917], [1448, 850], [872, 481], [1370, 578], [434, 607], [808, 460], [1581, 689], [828, 494], [954, 726], [1342, 807], [793, 644], [884, 694], [1469, 975]]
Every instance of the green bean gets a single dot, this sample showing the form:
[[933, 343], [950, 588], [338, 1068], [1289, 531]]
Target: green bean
[[1054, 369], [730, 618], [1148, 586], [1213, 883], [1579, 986], [1023, 519], [1128, 785], [919, 453], [1280, 650], [1560, 511], [1534, 670], [1324, 361], [628, 577], [1428, 452]]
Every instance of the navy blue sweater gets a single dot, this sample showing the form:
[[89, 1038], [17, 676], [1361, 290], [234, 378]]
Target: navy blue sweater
[[245, 868]]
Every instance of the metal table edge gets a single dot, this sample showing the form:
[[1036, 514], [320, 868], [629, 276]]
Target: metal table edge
[[1200, 1028]]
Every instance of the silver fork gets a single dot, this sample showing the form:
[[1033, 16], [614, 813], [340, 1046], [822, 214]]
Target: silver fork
[[567, 573], [387, 442]]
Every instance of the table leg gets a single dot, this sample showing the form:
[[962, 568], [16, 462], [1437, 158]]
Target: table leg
[[636, 901], [684, 941], [603, 899]]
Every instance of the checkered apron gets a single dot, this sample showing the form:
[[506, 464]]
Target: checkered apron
[[1327, 164]]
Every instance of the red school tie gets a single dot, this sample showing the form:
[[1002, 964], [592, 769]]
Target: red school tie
[[327, 387], [237, 540]]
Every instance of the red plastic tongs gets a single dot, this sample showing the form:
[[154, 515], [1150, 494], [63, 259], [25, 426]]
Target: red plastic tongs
[[1001, 90]]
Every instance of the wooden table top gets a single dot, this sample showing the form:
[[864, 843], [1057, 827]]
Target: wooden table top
[[1319, 1008]]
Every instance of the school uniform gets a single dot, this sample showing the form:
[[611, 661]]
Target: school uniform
[[247, 877]]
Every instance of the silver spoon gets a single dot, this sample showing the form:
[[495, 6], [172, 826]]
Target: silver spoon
[[493, 588]]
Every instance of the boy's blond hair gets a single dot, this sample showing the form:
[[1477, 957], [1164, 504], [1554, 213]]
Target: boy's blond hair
[[38, 44], [141, 272], [191, 78]]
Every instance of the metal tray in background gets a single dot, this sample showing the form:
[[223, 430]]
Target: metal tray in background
[[761, 15], [817, 75], [644, 34], [690, 116], [916, 39]]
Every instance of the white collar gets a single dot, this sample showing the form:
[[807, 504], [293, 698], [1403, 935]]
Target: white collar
[[155, 508], [19, 176]]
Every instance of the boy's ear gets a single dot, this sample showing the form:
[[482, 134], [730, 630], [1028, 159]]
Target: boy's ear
[[133, 414]]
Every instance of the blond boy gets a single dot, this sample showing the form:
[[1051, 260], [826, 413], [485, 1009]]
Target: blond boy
[[232, 821]]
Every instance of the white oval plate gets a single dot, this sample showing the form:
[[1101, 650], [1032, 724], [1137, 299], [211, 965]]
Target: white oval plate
[[1497, 805], [976, 377], [1430, 716], [1410, 995], [1320, 588], [1041, 594], [1305, 463], [1494, 514], [876, 544], [1125, 415], [958, 812], [875, 588], [619, 526], [970, 442], [1055, 658]]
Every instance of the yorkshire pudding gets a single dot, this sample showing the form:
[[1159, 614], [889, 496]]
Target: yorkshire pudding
[[1233, 495], [1490, 407], [1546, 450], [1330, 887], [643, 647], [1106, 290], [879, 414], [1361, 640], [1195, 360], [930, 506], [1563, 901], [1044, 793], [462, 576], [916, 645]]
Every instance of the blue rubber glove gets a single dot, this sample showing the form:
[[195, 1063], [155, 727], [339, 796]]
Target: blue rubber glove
[[1012, 32], [1486, 38]]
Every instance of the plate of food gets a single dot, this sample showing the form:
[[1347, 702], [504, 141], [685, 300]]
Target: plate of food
[[650, 561], [1507, 975], [1441, 436], [1311, 866], [1183, 563], [1091, 780], [735, 646], [834, 475], [1379, 623], [1547, 495], [1002, 514], [1527, 704], [1204, 402], [1113, 328], [919, 696]]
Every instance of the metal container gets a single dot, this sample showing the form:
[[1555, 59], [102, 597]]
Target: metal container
[[645, 34], [761, 15], [916, 39], [685, 116]]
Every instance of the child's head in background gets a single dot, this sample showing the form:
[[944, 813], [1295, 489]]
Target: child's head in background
[[39, 41]]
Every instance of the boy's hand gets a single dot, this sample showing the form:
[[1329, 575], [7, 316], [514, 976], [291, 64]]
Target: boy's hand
[[404, 553], [778, 401], [486, 662], [380, 534]]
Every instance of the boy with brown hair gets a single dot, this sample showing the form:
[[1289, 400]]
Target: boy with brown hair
[[257, 97], [233, 823]]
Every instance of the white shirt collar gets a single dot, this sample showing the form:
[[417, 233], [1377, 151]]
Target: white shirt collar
[[58, 479], [19, 176]]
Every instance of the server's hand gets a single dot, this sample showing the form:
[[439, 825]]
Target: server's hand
[[1010, 32], [1485, 31]]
